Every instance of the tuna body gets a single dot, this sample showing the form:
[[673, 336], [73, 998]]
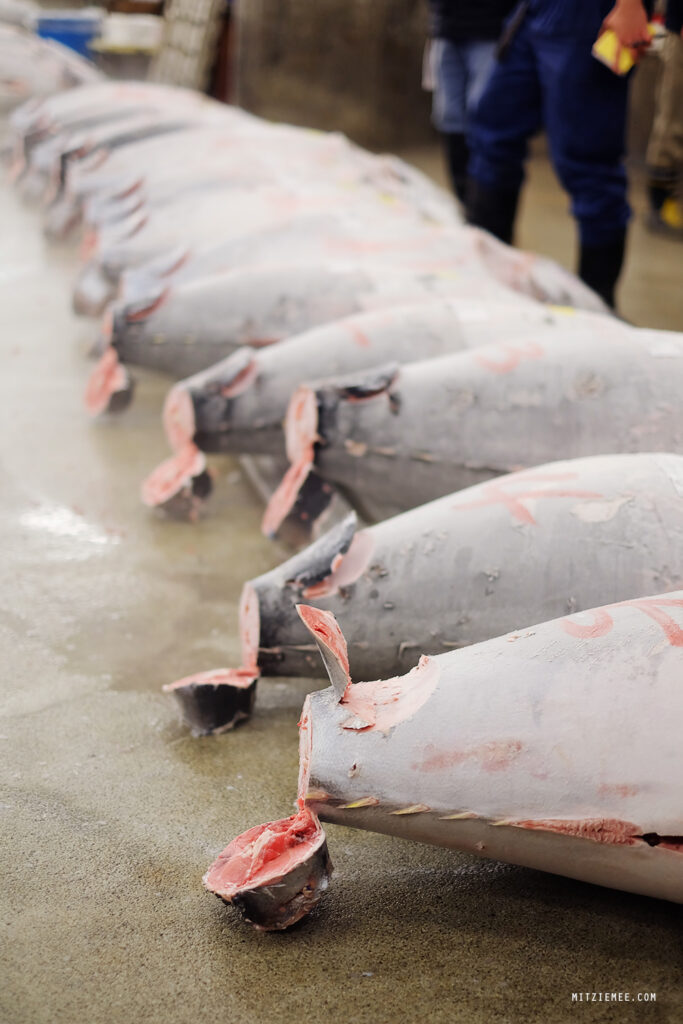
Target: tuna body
[[434, 427], [555, 747], [542, 542]]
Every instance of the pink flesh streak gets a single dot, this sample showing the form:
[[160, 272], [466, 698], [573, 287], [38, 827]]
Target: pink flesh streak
[[495, 756], [301, 433], [106, 379], [239, 677], [172, 475], [178, 418], [146, 311], [242, 382], [283, 499], [345, 569], [301, 425], [305, 748], [250, 628], [385, 703], [601, 830]]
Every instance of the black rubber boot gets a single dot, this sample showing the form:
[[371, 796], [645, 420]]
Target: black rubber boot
[[492, 209], [600, 266], [457, 155]]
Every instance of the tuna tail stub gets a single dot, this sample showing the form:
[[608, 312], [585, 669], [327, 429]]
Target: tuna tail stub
[[302, 495], [214, 702], [182, 483], [212, 393], [274, 874], [110, 386]]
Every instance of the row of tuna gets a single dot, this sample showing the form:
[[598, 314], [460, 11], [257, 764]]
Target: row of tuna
[[515, 453]]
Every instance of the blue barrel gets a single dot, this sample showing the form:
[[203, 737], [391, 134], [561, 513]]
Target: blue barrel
[[70, 28]]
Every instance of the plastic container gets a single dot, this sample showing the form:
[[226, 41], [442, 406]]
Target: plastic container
[[75, 29]]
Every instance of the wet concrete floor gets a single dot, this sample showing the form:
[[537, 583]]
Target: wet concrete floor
[[111, 813]]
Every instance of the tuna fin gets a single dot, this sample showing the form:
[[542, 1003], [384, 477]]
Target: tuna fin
[[331, 643], [143, 306], [368, 384], [239, 371], [316, 562]]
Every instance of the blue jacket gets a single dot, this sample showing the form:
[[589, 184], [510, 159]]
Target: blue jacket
[[572, 17], [466, 20]]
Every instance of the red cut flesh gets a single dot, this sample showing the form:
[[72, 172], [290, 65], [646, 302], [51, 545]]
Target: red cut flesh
[[106, 379], [301, 434], [325, 627], [178, 418], [250, 629], [239, 677], [172, 475], [264, 854], [284, 497], [301, 425]]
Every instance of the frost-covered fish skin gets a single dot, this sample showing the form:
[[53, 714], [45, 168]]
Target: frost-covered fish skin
[[393, 440], [239, 404], [31, 68], [224, 150], [184, 330], [555, 747], [544, 542]]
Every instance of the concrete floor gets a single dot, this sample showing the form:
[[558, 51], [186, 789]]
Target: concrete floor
[[111, 812]]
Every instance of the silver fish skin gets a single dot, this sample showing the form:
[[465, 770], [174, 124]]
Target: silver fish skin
[[549, 541], [393, 440], [555, 746]]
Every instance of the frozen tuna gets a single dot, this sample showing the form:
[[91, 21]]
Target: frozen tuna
[[396, 437], [31, 68], [239, 404], [184, 330], [543, 542], [555, 747], [274, 874]]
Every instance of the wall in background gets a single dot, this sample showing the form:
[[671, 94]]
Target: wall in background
[[351, 65]]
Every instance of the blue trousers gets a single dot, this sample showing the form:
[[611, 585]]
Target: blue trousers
[[549, 79], [461, 71]]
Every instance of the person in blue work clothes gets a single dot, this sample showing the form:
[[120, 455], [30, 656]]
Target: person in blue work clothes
[[461, 57], [546, 77]]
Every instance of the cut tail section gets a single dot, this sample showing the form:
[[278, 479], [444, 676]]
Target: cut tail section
[[110, 386], [216, 701]]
